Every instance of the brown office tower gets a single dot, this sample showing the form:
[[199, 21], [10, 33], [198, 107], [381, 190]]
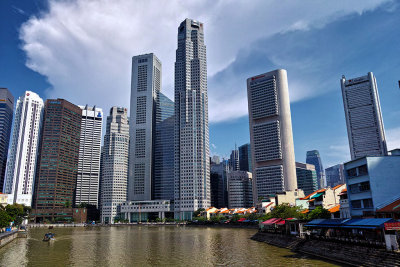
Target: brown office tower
[[58, 162]]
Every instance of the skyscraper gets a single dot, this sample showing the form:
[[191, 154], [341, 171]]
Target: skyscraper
[[87, 182], [314, 158], [245, 158], [271, 138], [114, 164], [192, 165], [21, 164], [335, 175], [163, 188], [234, 160], [219, 183], [6, 115], [55, 182], [363, 116], [306, 178], [145, 85], [240, 189]]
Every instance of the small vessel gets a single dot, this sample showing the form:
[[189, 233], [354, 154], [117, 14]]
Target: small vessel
[[48, 237]]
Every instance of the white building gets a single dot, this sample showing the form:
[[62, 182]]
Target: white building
[[271, 135], [240, 189], [192, 165], [363, 116], [21, 164], [145, 85], [114, 164], [87, 182]]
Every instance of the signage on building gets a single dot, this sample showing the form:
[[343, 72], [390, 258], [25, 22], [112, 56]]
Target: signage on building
[[392, 226]]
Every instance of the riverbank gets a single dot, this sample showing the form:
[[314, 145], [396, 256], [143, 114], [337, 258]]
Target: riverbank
[[7, 237], [348, 254]]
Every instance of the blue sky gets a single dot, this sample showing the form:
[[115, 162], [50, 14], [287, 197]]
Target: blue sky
[[81, 51]]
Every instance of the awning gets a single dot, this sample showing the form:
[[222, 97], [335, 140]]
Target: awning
[[242, 219], [325, 223], [316, 195], [282, 222], [367, 223], [392, 226], [271, 221]]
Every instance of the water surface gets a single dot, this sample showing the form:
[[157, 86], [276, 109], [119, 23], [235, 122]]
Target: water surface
[[148, 246]]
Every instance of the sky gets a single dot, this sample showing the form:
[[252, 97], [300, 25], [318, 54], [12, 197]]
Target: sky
[[81, 50]]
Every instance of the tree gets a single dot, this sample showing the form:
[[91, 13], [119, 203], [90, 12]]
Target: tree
[[17, 213], [285, 211], [319, 213], [5, 219], [198, 212]]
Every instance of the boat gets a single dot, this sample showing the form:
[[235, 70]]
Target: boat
[[48, 237]]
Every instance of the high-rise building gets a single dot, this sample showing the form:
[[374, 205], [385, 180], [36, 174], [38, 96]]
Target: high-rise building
[[6, 115], [271, 137], [234, 160], [145, 86], [219, 184], [314, 158], [215, 159], [192, 165], [363, 116], [163, 188], [240, 189], [22, 160], [87, 182], [335, 175], [55, 182], [245, 158], [114, 164], [306, 177]]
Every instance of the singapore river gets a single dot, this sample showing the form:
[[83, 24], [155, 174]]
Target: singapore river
[[148, 246]]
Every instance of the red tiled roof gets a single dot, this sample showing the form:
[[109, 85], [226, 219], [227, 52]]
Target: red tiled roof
[[334, 209], [336, 187], [392, 207], [313, 193]]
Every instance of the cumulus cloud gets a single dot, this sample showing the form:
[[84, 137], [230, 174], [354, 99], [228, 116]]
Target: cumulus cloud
[[84, 48], [393, 138]]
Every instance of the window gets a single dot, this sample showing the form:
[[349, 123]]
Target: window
[[367, 203], [356, 204]]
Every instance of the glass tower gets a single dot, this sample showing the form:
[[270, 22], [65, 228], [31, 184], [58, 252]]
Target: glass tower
[[6, 116], [314, 158]]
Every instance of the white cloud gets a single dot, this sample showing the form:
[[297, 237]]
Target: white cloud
[[84, 48]]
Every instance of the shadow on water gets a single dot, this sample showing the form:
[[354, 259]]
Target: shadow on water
[[301, 256]]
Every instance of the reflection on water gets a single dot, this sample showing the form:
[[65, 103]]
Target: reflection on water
[[148, 246]]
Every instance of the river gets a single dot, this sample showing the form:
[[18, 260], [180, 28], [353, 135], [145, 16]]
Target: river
[[148, 246]]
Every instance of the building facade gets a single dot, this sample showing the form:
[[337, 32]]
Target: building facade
[[24, 150], [271, 138], [245, 158], [6, 116], [192, 166], [114, 164], [314, 158], [334, 175], [88, 179], [234, 160], [55, 182], [306, 177], [240, 189], [145, 86], [363, 116], [371, 183], [163, 185], [219, 184]]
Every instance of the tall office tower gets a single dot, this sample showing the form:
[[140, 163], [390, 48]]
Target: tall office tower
[[335, 175], [145, 85], [219, 184], [21, 164], [234, 160], [114, 168], [87, 182], [271, 137], [6, 116], [215, 159], [245, 158], [163, 183], [192, 165], [55, 182], [363, 116], [306, 178], [314, 158], [240, 189]]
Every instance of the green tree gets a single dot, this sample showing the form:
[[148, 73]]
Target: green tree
[[285, 211], [217, 219], [198, 212], [5, 219], [319, 213], [17, 213]]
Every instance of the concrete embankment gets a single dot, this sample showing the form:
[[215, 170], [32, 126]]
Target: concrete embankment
[[348, 254], [7, 237]]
